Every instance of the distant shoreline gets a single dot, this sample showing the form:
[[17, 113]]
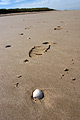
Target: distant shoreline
[[35, 12], [22, 13], [19, 10]]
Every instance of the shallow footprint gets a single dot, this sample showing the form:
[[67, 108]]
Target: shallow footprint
[[7, 46], [46, 43], [58, 28], [26, 60], [38, 50]]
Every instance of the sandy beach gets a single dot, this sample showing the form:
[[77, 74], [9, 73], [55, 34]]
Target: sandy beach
[[40, 50]]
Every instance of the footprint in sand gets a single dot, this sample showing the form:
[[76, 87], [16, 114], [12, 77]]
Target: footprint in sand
[[21, 34], [28, 38], [19, 76], [73, 79], [39, 50], [26, 60], [58, 28], [28, 27], [46, 43], [17, 84], [7, 46], [66, 70]]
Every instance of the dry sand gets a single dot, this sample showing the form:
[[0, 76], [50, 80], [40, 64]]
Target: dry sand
[[56, 71]]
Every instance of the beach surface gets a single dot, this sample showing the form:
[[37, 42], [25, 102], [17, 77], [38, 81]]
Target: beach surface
[[40, 50]]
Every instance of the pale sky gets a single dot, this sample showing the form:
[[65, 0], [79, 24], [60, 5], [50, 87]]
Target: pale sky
[[55, 4]]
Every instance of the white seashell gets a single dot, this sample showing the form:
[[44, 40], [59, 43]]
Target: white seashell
[[38, 94]]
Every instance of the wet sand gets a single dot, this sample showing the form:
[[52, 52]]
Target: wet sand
[[41, 51]]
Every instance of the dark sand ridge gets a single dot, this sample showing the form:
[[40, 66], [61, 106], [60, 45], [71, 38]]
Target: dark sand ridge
[[47, 72]]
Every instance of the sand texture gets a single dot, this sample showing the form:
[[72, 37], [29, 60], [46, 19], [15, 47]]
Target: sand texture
[[40, 51]]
